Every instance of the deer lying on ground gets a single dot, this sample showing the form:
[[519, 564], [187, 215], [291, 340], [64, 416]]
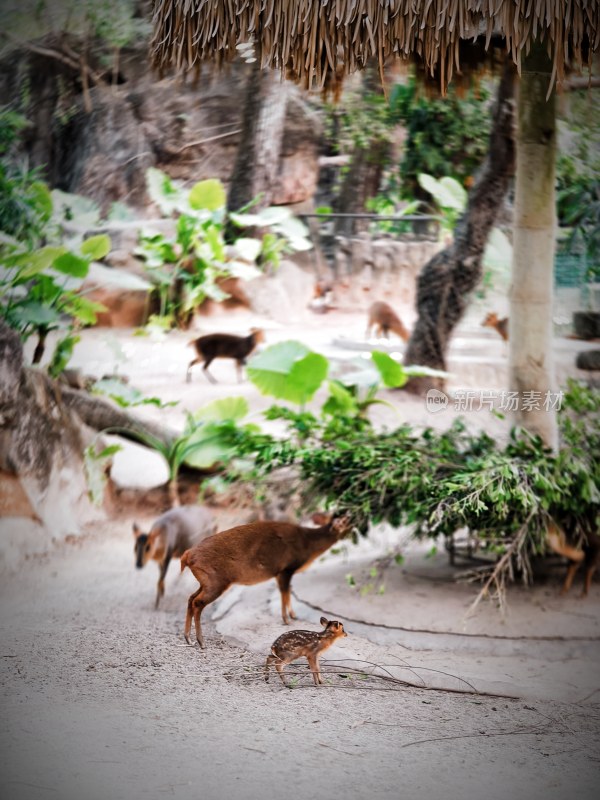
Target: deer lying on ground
[[589, 555], [295, 644], [253, 553], [500, 325], [384, 319], [170, 536], [223, 345]]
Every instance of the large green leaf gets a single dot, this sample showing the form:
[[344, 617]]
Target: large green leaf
[[70, 264], [273, 215], [233, 408], [206, 447], [31, 264], [288, 371], [392, 373], [292, 228], [447, 192], [209, 195], [37, 314], [214, 239], [96, 247], [240, 269], [247, 248], [456, 191]]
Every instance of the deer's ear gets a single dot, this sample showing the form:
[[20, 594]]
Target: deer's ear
[[324, 622], [136, 530], [321, 518]]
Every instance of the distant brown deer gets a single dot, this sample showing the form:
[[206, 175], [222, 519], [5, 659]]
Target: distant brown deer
[[589, 555], [384, 319], [170, 536], [310, 644], [223, 345], [254, 553], [500, 325]]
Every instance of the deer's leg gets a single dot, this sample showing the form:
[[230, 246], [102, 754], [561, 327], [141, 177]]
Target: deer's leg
[[284, 580], [207, 364], [188, 616], [279, 665], [207, 595], [570, 575], [188, 374], [313, 664], [160, 590], [591, 568], [271, 659]]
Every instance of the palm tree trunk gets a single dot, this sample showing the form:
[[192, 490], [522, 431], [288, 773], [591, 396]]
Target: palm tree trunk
[[531, 364]]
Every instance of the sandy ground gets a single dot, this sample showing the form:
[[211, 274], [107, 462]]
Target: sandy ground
[[102, 699]]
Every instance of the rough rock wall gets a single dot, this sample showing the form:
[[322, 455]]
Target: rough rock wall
[[191, 131]]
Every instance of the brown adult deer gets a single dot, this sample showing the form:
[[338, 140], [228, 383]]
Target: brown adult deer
[[310, 644], [223, 345], [384, 319], [500, 325], [170, 536], [253, 553]]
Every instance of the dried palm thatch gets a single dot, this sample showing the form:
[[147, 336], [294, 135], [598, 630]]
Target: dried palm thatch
[[317, 43]]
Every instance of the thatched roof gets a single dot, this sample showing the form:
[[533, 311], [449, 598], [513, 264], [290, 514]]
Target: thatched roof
[[317, 43]]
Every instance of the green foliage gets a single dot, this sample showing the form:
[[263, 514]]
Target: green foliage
[[577, 170], [449, 196], [391, 371], [210, 438], [62, 354], [25, 204], [388, 205], [578, 208], [186, 268], [446, 136], [34, 292], [41, 275], [288, 371], [362, 118]]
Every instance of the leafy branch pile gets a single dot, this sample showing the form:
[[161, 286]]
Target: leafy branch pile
[[442, 482]]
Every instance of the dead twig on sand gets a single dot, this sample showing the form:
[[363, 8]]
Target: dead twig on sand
[[501, 569]]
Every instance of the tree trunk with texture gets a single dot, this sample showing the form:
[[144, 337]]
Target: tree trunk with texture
[[447, 280], [363, 177], [531, 363], [257, 162]]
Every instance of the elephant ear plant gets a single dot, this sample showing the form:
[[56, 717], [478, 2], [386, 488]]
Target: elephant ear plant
[[190, 265]]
